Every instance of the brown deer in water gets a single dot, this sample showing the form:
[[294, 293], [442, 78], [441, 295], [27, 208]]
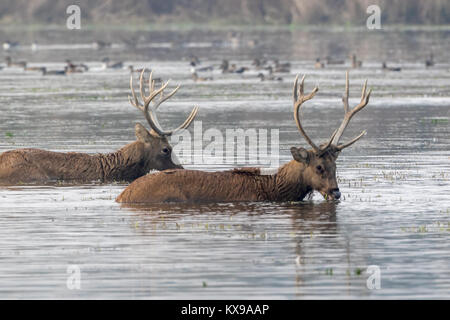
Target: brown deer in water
[[313, 169], [150, 151]]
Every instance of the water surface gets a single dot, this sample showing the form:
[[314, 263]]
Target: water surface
[[394, 213]]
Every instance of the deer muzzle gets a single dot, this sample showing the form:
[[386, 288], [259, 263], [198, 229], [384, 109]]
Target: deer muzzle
[[335, 193]]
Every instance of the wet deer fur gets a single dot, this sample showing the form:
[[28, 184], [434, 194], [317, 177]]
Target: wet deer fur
[[150, 151], [313, 169]]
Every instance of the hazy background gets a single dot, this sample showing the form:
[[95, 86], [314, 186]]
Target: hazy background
[[230, 11], [395, 182]]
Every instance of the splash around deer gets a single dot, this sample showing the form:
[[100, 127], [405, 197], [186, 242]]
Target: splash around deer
[[151, 151], [310, 170]]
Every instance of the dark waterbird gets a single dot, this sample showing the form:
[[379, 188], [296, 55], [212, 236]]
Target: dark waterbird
[[355, 62], [330, 60], [430, 61], [195, 68], [76, 68], [107, 64], [198, 78], [385, 67], [318, 64], [269, 77], [10, 63], [46, 72]]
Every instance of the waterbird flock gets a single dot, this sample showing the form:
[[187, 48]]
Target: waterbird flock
[[260, 68]]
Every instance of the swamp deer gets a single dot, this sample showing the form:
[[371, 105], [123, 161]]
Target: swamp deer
[[150, 151], [310, 170]]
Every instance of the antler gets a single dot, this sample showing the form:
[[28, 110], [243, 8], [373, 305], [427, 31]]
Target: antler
[[299, 98], [349, 114], [149, 111]]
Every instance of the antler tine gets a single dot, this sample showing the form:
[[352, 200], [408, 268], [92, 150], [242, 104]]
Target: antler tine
[[302, 82], [152, 93], [349, 113], [364, 98], [184, 125], [346, 93], [164, 98], [141, 85], [146, 100], [325, 147], [348, 144], [151, 119], [135, 102], [154, 123], [151, 83], [188, 121], [298, 101], [148, 111], [295, 93]]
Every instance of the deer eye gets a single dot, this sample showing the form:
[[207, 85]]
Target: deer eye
[[165, 150], [319, 168]]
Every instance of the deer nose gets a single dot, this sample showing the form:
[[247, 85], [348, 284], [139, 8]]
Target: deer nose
[[336, 193]]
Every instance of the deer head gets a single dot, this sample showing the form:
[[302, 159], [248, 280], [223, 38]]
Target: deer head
[[319, 163], [157, 150]]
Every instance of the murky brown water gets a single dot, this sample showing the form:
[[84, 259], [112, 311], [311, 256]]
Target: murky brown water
[[395, 210]]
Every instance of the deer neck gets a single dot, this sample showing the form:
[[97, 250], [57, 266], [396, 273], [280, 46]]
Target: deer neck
[[127, 163], [292, 185]]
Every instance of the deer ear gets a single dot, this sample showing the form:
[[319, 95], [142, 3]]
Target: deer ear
[[142, 134], [300, 155]]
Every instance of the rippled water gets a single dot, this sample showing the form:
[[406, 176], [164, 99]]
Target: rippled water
[[395, 210]]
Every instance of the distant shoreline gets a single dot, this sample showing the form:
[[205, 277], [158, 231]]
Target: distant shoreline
[[220, 27]]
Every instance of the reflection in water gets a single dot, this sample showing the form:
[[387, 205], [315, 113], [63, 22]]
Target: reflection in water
[[303, 221], [313, 220], [301, 213]]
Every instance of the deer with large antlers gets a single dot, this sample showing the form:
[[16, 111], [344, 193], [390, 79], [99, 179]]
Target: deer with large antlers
[[151, 151], [310, 170]]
